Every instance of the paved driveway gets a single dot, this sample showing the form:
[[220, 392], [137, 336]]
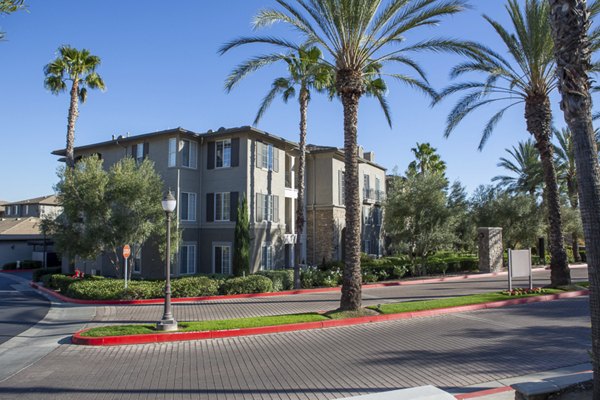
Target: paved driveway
[[447, 351]]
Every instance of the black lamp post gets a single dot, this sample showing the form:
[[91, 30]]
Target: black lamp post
[[168, 323]]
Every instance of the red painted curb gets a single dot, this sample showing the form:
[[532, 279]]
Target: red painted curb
[[482, 393], [270, 294], [180, 336]]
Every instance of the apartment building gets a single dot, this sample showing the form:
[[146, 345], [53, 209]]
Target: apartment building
[[209, 173]]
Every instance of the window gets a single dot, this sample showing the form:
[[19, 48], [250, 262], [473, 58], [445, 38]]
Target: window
[[187, 259], [267, 208], [189, 153], [139, 152], [367, 182], [222, 209], [267, 257], [341, 188], [137, 259], [172, 152], [26, 211], [366, 215], [222, 258], [223, 154], [188, 206], [16, 210], [8, 210], [366, 246], [268, 157]]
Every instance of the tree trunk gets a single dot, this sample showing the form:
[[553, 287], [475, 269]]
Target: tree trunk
[[350, 88], [72, 117], [570, 25], [300, 186], [574, 200], [539, 119]]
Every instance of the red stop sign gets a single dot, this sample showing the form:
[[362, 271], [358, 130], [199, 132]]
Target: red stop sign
[[126, 251]]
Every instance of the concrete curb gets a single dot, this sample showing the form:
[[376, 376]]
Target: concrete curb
[[270, 294], [182, 336]]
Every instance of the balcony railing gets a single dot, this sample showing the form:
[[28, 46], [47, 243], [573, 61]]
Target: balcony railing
[[373, 196]]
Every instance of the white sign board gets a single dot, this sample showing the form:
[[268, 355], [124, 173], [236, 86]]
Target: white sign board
[[520, 263]]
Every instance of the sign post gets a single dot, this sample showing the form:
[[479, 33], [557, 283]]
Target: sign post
[[519, 266], [126, 254]]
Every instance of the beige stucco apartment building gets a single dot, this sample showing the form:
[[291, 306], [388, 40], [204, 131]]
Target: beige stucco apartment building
[[210, 172]]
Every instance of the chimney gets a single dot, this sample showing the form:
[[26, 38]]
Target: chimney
[[361, 151], [370, 156]]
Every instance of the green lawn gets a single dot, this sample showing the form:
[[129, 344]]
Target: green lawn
[[411, 306], [198, 326], [395, 308]]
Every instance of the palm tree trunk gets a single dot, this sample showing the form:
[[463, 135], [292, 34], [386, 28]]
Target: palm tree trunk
[[300, 186], [349, 85], [539, 119], [572, 191], [570, 25], [72, 117]]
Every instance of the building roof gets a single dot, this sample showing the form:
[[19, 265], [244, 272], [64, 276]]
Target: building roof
[[11, 227], [49, 200]]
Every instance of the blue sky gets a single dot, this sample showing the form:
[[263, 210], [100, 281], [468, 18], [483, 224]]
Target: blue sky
[[162, 70]]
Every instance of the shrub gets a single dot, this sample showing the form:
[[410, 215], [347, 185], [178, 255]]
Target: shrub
[[282, 279], [309, 277], [368, 277], [25, 264], [58, 282], [469, 264], [194, 286], [398, 271], [330, 278], [38, 273], [248, 284]]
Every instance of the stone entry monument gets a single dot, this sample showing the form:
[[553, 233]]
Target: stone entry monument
[[490, 249]]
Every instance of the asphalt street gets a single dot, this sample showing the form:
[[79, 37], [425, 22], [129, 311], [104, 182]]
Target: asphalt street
[[20, 307]]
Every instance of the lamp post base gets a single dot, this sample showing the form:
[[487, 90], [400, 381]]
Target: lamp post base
[[166, 325]]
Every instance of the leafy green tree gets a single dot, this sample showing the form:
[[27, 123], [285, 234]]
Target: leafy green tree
[[354, 36], [461, 221], [104, 210], [427, 160], [79, 68], [241, 251], [527, 77], [526, 167], [418, 216], [517, 214], [307, 73]]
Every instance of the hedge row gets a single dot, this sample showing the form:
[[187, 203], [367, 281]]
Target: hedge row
[[25, 264]]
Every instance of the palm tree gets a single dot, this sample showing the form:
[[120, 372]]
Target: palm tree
[[78, 67], [427, 160], [527, 79], [307, 73], [8, 7], [354, 36], [573, 49], [526, 165]]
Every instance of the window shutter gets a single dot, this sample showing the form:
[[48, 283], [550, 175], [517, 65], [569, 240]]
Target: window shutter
[[235, 152], [233, 201], [210, 158], [146, 149], [275, 159], [134, 151], [210, 207], [259, 207], [259, 161], [275, 208]]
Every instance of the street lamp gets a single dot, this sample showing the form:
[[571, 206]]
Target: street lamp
[[168, 323]]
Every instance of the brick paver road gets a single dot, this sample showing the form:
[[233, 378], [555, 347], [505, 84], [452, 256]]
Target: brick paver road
[[240, 308], [447, 351]]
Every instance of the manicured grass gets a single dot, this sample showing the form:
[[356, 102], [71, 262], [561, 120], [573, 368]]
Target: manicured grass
[[583, 284], [412, 306], [199, 326], [273, 320]]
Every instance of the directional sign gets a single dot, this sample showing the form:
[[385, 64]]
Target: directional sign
[[126, 251]]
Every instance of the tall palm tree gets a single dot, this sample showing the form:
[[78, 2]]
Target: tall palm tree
[[78, 67], [527, 77], [526, 167], [306, 72], [574, 45], [8, 7], [354, 35], [426, 160]]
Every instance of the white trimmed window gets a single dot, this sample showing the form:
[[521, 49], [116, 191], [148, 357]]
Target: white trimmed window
[[187, 259], [267, 257], [222, 207], [222, 258], [189, 154], [139, 152], [268, 157], [188, 206], [341, 188], [267, 207], [172, 152], [223, 154], [367, 182]]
